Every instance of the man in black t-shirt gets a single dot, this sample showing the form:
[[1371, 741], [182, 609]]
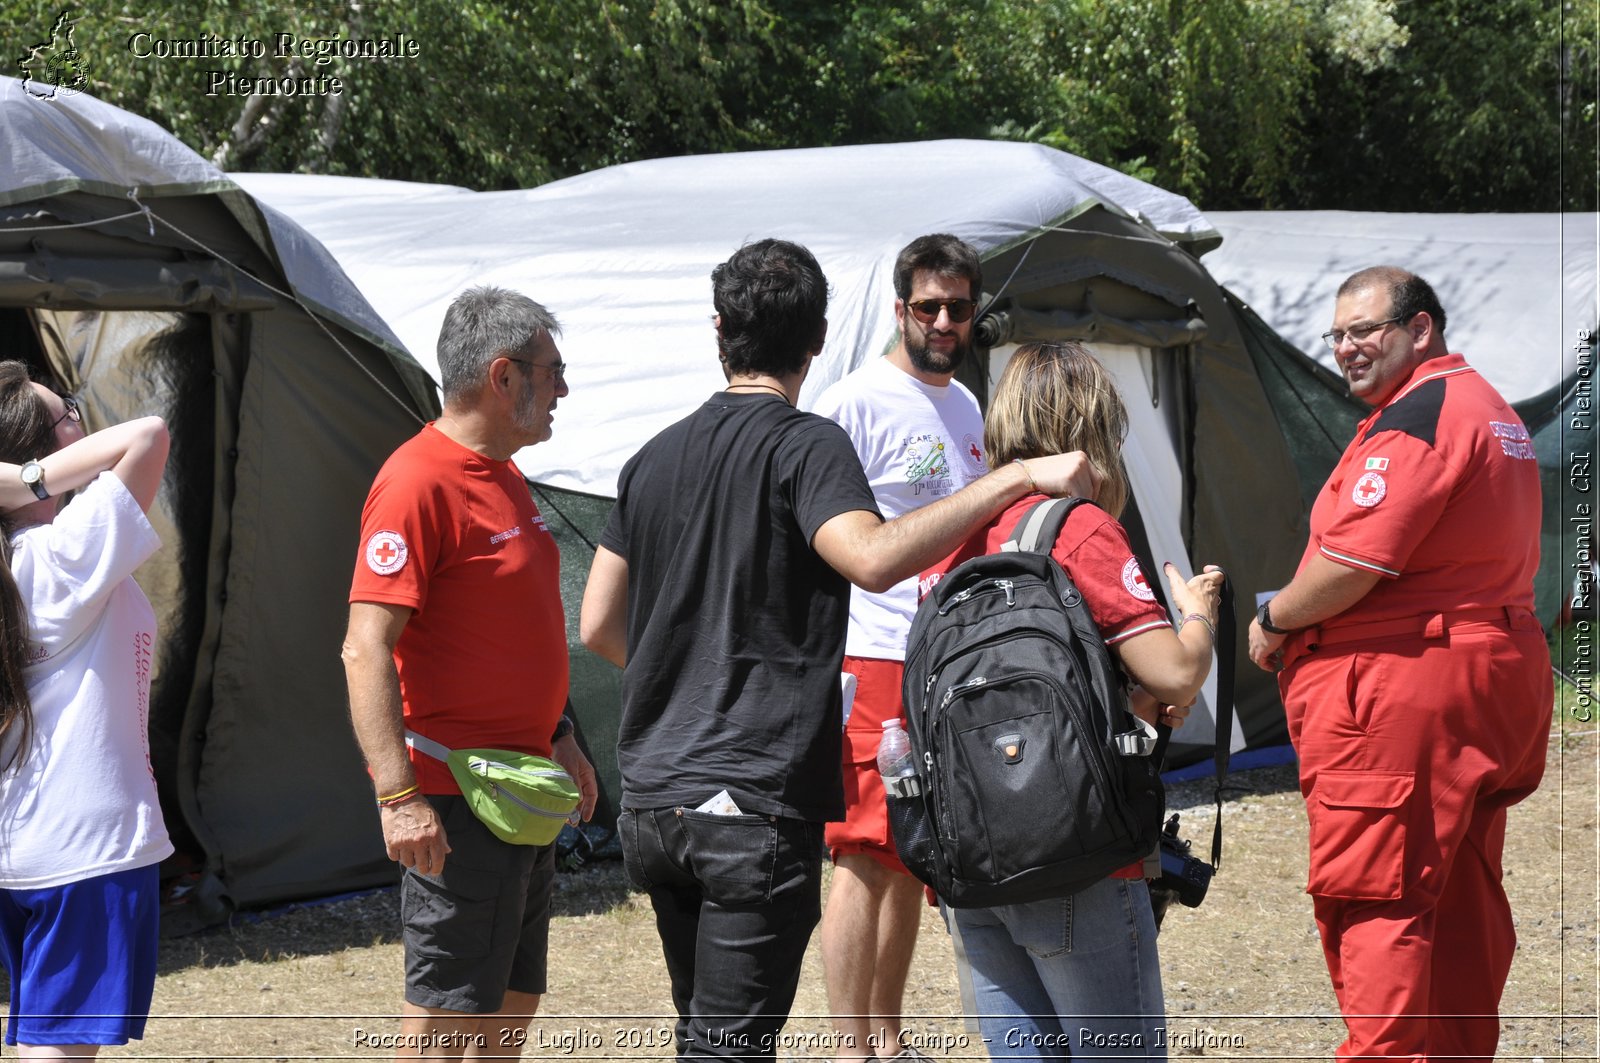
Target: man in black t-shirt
[[721, 587]]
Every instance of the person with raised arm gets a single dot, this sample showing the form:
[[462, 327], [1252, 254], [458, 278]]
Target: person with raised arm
[[81, 834]]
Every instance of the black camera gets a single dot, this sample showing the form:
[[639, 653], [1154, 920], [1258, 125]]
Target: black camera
[[1184, 878]]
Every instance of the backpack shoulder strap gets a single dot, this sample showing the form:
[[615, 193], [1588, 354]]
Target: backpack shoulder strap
[[1039, 528]]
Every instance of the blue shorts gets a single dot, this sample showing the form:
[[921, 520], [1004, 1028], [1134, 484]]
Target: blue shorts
[[82, 958]]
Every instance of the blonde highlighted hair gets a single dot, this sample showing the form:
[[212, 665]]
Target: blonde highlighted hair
[[1053, 398]]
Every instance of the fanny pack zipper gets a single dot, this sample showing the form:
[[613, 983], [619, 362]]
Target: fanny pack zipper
[[481, 766]]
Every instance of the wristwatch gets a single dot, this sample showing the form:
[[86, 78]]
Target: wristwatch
[[564, 727], [1264, 618], [33, 475]]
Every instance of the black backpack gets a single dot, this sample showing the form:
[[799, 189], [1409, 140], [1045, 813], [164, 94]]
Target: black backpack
[[1035, 780]]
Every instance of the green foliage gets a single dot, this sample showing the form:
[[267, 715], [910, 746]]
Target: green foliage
[[1483, 108], [500, 95], [1148, 86], [1362, 104], [1158, 82]]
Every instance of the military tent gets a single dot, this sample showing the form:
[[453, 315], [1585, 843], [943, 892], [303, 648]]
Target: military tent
[[141, 278]]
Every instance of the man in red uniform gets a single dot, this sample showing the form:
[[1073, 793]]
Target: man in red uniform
[[1416, 680], [457, 634]]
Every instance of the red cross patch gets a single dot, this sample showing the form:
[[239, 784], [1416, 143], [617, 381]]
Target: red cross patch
[[386, 553], [1135, 583], [1369, 490], [974, 452]]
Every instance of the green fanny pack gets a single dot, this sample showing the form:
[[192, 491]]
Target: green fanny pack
[[523, 799]]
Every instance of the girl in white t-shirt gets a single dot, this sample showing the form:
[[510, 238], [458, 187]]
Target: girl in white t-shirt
[[81, 835]]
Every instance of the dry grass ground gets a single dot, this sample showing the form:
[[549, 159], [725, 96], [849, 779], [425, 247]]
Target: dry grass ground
[[1244, 974]]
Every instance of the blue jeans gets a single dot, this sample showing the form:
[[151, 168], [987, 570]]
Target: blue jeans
[[1071, 976], [736, 898]]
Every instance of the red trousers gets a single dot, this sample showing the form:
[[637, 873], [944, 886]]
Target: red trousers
[[1411, 749]]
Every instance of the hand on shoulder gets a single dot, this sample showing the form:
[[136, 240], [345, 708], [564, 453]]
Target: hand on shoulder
[[1061, 475]]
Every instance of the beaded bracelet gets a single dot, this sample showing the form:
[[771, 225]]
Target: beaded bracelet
[[1204, 620]]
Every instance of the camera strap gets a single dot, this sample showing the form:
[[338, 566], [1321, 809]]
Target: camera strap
[[1227, 638], [1227, 641]]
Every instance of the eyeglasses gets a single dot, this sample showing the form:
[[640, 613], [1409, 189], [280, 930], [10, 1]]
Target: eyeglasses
[[558, 368], [927, 310], [72, 411], [1357, 333]]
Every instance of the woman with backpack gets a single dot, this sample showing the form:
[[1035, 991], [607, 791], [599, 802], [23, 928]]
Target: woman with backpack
[[1079, 974], [81, 834]]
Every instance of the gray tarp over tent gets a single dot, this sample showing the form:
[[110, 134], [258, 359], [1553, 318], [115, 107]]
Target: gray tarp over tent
[[1520, 293], [623, 256], [140, 277]]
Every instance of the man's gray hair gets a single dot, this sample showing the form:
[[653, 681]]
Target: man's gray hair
[[483, 324]]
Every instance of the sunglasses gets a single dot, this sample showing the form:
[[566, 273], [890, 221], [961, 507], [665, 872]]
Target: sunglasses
[[927, 310]]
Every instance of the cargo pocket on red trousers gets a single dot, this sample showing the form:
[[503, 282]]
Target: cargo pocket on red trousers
[[1358, 834]]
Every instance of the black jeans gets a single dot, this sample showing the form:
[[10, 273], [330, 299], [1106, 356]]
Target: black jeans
[[736, 899]]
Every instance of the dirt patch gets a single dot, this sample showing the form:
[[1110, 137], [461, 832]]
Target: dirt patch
[[1243, 973]]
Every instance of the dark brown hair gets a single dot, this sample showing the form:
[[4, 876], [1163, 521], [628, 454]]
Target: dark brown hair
[[772, 305], [941, 254], [1409, 294]]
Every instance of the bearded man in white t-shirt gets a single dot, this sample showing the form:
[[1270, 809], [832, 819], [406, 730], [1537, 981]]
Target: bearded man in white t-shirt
[[919, 435]]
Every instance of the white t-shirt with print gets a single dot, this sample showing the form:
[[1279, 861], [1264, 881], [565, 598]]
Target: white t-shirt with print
[[83, 801], [918, 443]]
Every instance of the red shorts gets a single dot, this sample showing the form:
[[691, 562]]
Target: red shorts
[[865, 828]]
